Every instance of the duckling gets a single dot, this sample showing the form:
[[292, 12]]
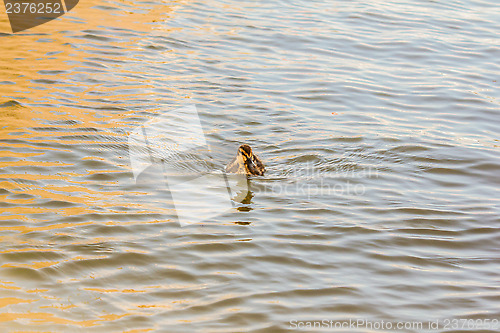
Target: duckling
[[246, 162]]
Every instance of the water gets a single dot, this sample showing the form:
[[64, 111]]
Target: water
[[378, 123]]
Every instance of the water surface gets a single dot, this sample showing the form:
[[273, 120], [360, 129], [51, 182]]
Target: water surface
[[378, 123]]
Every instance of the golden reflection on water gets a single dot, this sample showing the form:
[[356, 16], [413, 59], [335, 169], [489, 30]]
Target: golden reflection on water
[[29, 56], [13, 300], [48, 318], [34, 70]]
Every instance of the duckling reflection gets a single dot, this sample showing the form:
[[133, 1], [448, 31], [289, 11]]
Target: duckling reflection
[[246, 201], [242, 223], [246, 162]]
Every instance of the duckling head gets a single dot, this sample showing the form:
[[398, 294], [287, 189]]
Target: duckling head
[[252, 164]]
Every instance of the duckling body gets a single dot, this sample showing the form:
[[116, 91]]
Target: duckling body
[[246, 162]]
